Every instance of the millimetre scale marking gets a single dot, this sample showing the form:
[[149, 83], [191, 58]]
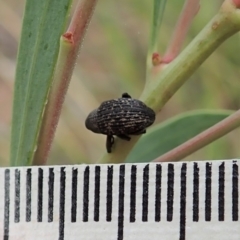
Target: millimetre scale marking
[[28, 194], [208, 192], [221, 190], [121, 202], [50, 194], [158, 193], [97, 193], [109, 194], [62, 203], [86, 194], [40, 195], [6, 204], [133, 194], [17, 196], [74, 195], [183, 201], [170, 192], [195, 192], [208, 189], [145, 193], [235, 192]]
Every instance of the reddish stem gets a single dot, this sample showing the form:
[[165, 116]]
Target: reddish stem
[[66, 61], [213, 133], [190, 9], [236, 3]]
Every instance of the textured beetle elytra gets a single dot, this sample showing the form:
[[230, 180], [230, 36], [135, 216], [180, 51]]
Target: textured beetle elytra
[[120, 117]]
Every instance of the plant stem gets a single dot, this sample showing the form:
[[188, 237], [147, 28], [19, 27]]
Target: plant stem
[[158, 11], [165, 83], [153, 56], [206, 137], [70, 44], [190, 9]]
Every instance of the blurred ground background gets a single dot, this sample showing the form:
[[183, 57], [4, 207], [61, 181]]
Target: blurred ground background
[[112, 61]]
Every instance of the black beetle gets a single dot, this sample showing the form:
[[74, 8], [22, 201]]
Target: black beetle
[[121, 117]]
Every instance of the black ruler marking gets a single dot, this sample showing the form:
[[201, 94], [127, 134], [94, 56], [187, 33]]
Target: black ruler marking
[[74, 194], [183, 202], [235, 196], [133, 194], [50, 194], [208, 192], [133, 189], [145, 193], [40, 195], [17, 196], [97, 193], [158, 193], [86, 194], [170, 192], [62, 203], [221, 192], [121, 202], [28, 194], [6, 204], [109, 194], [195, 192]]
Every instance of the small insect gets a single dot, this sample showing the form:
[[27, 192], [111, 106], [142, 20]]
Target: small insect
[[120, 117]]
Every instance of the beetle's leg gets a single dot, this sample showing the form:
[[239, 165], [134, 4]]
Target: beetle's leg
[[109, 143], [139, 132], [124, 137], [126, 95]]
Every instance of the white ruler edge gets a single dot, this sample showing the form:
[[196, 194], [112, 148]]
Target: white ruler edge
[[183, 200]]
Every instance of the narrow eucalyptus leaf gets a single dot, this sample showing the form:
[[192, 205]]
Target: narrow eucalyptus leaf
[[167, 135], [43, 24]]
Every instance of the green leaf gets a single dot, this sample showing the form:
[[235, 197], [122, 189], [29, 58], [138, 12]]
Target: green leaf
[[167, 135], [43, 24], [158, 11]]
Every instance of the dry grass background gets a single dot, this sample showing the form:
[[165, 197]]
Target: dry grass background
[[112, 61]]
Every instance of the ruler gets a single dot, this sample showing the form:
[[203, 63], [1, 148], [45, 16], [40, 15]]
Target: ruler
[[187, 200]]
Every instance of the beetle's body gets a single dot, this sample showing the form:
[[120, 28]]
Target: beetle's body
[[121, 117]]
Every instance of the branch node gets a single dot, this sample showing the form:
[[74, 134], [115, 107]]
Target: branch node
[[68, 37], [156, 59], [236, 3]]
